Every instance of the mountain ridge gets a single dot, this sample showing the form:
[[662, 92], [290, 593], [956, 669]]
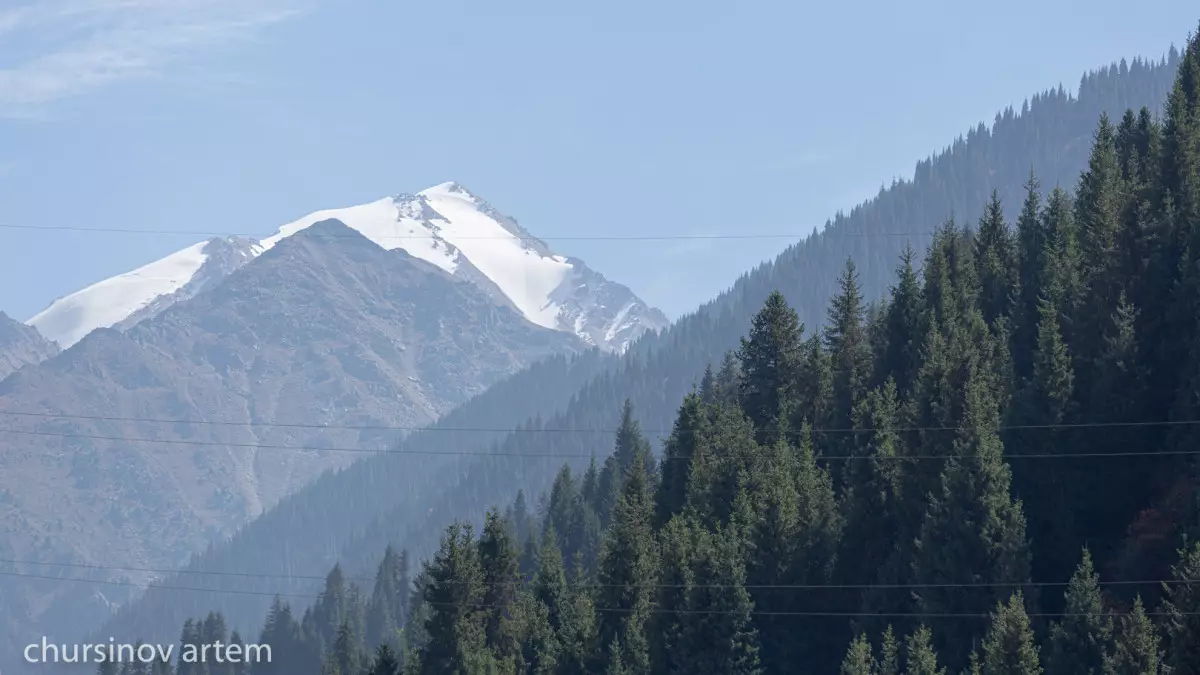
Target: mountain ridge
[[21, 345], [445, 225], [409, 503], [326, 329]]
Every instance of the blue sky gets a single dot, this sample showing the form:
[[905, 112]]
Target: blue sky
[[611, 119]]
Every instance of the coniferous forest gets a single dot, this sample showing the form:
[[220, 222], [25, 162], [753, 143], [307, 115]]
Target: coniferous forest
[[994, 470], [445, 472]]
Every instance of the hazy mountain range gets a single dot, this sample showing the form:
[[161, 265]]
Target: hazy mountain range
[[195, 392]]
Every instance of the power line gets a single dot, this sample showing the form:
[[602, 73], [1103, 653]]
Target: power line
[[610, 431], [657, 610], [288, 448], [837, 586], [112, 582], [569, 455], [662, 237]]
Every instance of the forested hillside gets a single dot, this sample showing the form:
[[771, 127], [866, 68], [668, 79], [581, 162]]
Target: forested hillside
[[408, 496], [992, 471]]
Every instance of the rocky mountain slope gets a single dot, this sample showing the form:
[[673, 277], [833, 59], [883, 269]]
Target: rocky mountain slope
[[139, 447], [21, 345], [445, 225], [407, 499]]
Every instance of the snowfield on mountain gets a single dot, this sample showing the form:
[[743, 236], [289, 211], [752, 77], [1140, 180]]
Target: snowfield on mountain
[[444, 225]]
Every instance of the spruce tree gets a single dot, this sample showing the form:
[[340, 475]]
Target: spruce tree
[[1181, 607], [678, 544], [282, 633], [387, 607], [716, 635], [859, 660], [1118, 395], [872, 504], [718, 464], [453, 595], [189, 637], [384, 662], [498, 559], [903, 319], [1136, 645], [770, 360], [889, 659], [1009, 648], [690, 429], [920, 657], [236, 667], [540, 647], [728, 381], [330, 611], [708, 386], [1061, 273], [996, 261], [345, 656], [973, 531], [849, 350], [1046, 402], [578, 633], [787, 515], [1031, 257], [630, 444], [1099, 207], [1079, 642], [522, 521], [627, 571]]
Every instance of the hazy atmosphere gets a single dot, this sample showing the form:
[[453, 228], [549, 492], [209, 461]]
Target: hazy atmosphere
[[669, 119], [363, 338]]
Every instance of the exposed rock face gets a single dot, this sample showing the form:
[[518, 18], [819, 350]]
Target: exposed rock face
[[21, 345], [445, 225], [325, 328]]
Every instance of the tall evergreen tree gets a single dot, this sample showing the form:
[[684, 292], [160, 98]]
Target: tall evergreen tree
[[786, 513], [996, 260], [627, 571], [715, 634], [973, 532], [1044, 404], [876, 533], [728, 381], [1136, 645], [522, 521], [1061, 272], [859, 660], [770, 361], [849, 349], [815, 391], [1181, 608], [345, 656], [1031, 247], [1079, 642], [1099, 207], [282, 633], [690, 429], [904, 333], [1009, 648], [889, 659], [453, 594], [385, 662], [630, 445], [920, 657], [498, 559], [387, 607]]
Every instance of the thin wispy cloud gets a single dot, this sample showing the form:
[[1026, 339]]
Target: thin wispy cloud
[[57, 49]]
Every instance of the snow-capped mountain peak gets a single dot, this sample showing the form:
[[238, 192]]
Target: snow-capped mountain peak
[[445, 225]]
